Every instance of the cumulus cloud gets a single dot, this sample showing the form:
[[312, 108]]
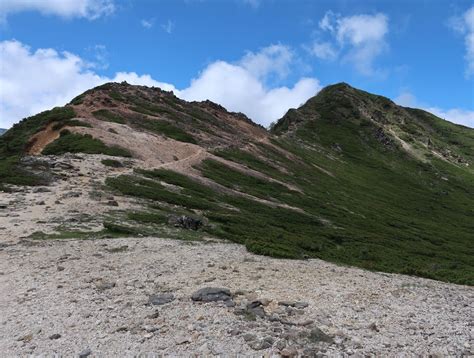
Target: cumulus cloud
[[465, 25], [33, 81], [455, 115], [239, 90], [359, 39], [274, 59], [90, 9]]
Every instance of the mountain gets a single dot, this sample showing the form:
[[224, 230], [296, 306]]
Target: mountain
[[349, 177], [2, 130]]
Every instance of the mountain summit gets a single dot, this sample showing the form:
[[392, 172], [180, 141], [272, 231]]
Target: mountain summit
[[348, 177]]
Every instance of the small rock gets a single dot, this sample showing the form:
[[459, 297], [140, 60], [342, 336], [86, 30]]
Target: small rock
[[316, 335], [104, 285], [26, 338], [235, 332], [154, 315], [85, 353], [249, 337], [256, 308], [161, 299], [293, 304], [301, 305], [280, 345], [229, 303], [262, 344], [289, 352], [373, 327], [41, 190], [182, 340], [55, 336], [305, 323]]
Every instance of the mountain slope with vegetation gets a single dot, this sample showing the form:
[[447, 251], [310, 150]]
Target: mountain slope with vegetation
[[349, 177]]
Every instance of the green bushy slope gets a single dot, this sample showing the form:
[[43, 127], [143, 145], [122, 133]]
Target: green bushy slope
[[348, 177]]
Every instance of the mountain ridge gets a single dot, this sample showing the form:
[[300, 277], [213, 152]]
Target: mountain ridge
[[349, 176]]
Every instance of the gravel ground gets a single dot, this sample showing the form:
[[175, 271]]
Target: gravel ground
[[93, 298]]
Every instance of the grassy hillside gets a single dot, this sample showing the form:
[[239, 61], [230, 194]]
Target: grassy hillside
[[363, 199], [350, 177]]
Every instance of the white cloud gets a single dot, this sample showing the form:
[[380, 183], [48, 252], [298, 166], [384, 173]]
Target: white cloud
[[361, 29], [274, 59], [147, 24], [33, 81], [239, 90], [465, 25], [323, 50], [90, 9], [360, 39], [168, 27], [455, 115]]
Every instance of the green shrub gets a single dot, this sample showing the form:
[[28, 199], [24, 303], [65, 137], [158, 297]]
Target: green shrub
[[108, 116], [165, 128], [78, 143]]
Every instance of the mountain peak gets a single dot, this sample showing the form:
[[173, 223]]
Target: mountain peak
[[359, 118]]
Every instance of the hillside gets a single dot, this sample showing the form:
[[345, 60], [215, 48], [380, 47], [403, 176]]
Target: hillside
[[349, 177], [2, 130]]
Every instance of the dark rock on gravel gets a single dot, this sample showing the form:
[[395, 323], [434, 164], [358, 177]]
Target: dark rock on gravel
[[212, 294], [256, 308]]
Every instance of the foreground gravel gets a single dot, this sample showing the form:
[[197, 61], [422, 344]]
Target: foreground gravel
[[123, 297]]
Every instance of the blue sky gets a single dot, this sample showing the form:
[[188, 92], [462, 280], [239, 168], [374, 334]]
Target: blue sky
[[259, 57]]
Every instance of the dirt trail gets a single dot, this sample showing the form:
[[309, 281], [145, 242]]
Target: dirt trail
[[40, 140]]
